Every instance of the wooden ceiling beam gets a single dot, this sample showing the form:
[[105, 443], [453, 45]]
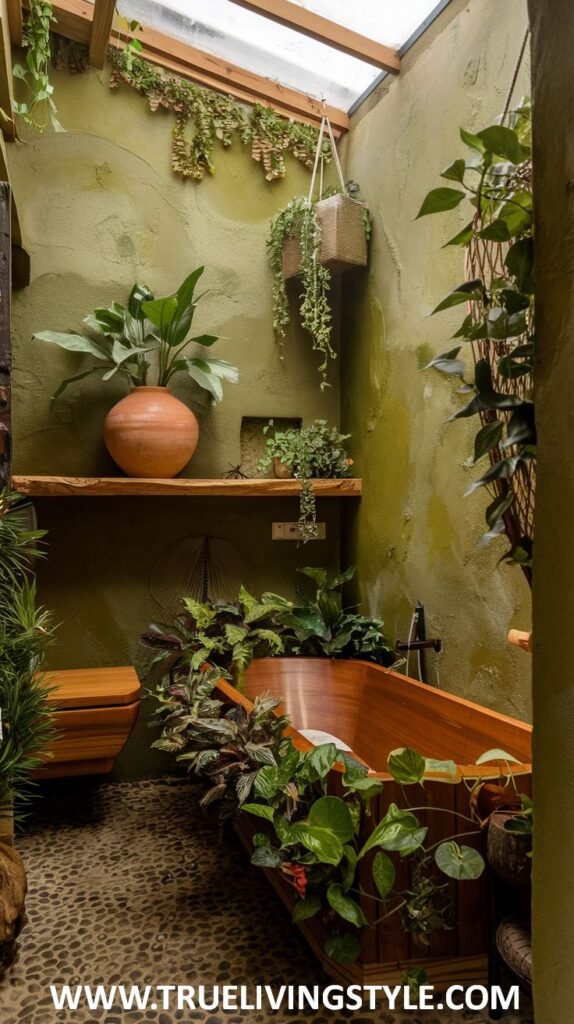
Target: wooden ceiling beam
[[74, 20], [15, 21], [104, 11], [298, 18]]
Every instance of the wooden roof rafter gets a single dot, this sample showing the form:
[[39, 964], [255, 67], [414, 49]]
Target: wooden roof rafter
[[75, 20], [323, 30]]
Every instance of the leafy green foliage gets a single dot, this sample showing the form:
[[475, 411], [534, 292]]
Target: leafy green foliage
[[25, 632], [315, 840], [314, 452], [320, 626], [38, 109], [120, 338], [228, 636], [204, 118], [494, 178], [299, 221]]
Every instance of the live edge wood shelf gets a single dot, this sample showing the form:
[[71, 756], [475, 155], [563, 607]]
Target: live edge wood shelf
[[110, 486]]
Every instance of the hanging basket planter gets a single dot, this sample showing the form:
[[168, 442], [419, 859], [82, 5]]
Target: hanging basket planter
[[343, 225], [312, 241]]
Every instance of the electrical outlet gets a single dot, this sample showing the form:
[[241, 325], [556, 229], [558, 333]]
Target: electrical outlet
[[290, 531]]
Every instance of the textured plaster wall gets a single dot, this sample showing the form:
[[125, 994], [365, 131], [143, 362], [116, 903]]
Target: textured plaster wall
[[99, 208], [414, 535]]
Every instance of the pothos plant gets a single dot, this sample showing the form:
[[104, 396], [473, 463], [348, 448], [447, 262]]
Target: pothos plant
[[317, 841], [314, 452], [121, 339], [38, 108], [494, 179]]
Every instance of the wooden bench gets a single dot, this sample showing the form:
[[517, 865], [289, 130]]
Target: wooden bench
[[95, 712]]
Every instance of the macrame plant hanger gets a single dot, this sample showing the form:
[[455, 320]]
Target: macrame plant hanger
[[319, 165]]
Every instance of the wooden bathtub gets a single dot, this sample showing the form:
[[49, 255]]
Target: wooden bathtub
[[375, 710]]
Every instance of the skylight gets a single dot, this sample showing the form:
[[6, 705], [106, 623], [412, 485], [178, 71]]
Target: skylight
[[228, 31]]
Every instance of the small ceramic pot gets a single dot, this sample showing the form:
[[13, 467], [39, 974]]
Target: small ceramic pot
[[149, 433], [281, 471]]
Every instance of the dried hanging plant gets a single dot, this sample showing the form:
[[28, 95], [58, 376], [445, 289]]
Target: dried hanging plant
[[205, 117]]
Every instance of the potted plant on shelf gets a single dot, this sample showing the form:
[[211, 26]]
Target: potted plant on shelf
[[25, 713], [314, 452], [149, 433]]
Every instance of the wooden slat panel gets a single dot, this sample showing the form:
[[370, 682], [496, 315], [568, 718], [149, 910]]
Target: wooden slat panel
[[74, 20], [101, 27], [93, 687], [70, 486], [92, 733], [326, 31], [15, 21]]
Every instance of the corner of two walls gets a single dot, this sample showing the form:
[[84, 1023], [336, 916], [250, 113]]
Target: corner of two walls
[[415, 536]]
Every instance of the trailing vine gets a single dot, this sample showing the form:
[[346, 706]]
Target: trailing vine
[[204, 118], [38, 108], [299, 221]]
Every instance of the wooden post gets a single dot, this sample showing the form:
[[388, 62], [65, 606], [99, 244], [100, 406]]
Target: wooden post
[[5, 338], [552, 23]]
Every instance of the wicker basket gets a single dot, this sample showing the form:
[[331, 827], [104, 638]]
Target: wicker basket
[[343, 238]]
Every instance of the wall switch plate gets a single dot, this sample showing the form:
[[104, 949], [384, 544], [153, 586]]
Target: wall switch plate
[[290, 531]]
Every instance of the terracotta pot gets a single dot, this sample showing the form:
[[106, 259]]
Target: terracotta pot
[[281, 471], [150, 433]]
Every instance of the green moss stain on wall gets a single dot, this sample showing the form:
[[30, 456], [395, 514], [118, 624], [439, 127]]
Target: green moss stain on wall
[[101, 208], [415, 536]]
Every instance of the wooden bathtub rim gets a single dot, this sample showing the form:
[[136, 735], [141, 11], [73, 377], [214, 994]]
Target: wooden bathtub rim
[[470, 772]]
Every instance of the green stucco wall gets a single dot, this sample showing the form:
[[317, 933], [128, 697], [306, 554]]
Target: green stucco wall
[[414, 535], [99, 208]]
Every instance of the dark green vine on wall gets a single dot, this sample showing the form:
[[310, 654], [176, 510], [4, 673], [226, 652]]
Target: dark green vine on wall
[[205, 118]]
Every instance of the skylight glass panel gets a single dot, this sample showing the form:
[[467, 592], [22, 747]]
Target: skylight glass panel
[[226, 30], [388, 21]]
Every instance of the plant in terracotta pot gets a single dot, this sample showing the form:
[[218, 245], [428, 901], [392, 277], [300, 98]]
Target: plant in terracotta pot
[[149, 433], [314, 452]]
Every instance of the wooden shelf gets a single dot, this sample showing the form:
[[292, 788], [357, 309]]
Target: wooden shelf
[[111, 486]]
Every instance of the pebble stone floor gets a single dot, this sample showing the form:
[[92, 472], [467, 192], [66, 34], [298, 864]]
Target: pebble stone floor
[[127, 884]]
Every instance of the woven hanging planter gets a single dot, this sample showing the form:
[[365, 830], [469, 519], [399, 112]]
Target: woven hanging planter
[[343, 237], [342, 221]]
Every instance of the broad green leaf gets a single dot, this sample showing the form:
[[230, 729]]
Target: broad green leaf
[[266, 857], [449, 768], [206, 340], [474, 141], [462, 238], [398, 831], [199, 371], [406, 765], [487, 438], [266, 783], [455, 171], [520, 263], [344, 949], [161, 312], [460, 862], [496, 510], [448, 363], [466, 292], [259, 810], [345, 907], [439, 200], [324, 844], [72, 343], [496, 231], [383, 873], [496, 754], [504, 142], [503, 470], [221, 368], [321, 759], [306, 908], [319, 575], [350, 856], [139, 294], [330, 812]]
